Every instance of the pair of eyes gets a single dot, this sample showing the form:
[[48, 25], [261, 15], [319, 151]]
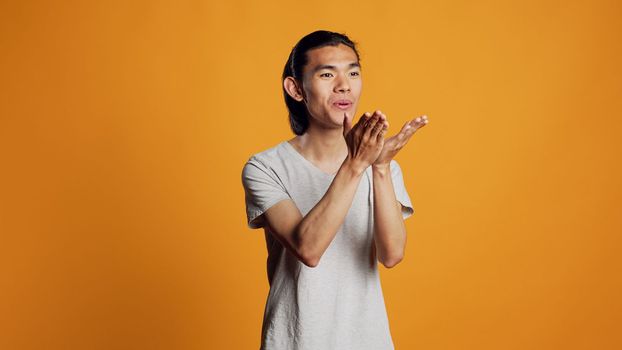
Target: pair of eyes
[[355, 74]]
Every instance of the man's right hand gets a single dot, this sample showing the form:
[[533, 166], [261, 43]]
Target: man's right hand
[[365, 140]]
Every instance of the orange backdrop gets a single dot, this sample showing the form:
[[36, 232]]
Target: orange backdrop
[[124, 127]]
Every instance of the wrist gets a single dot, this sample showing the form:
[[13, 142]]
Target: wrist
[[353, 167], [383, 168]]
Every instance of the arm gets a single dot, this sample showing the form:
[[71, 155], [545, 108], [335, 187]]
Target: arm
[[389, 228], [308, 237]]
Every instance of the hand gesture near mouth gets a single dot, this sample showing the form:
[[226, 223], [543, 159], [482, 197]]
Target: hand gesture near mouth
[[365, 140], [395, 143]]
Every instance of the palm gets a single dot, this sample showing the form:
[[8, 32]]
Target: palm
[[389, 150], [395, 143]]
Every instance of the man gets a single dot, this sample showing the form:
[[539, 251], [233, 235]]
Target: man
[[325, 226]]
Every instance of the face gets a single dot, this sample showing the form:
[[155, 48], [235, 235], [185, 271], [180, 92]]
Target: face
[[331, 84]]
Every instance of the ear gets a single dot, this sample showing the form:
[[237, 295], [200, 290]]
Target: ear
[[291, 86]]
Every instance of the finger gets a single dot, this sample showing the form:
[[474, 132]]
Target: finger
[[382, 132], [382, 116], [377, 128], [382, 124], [364, 118], [371, 123], [359, 128], [424, 120], [419, 122], [411, 127], [406, 129], [375, 114], [347, 124]]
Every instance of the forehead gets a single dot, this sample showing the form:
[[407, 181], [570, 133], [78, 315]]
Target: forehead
[[340, 55]]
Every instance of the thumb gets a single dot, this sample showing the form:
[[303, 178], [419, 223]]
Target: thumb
[[347, 124]]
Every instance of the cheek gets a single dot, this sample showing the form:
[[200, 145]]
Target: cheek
[[310, 91], [357, 86], [316, 96]]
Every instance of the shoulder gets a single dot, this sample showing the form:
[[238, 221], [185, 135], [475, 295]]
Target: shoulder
[[270, 162], [267, 157]]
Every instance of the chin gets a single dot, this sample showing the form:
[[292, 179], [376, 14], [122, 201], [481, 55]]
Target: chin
[[337, 118], [338, 113]]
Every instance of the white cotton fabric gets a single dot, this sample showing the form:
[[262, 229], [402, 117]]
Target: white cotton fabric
[[339, 303]]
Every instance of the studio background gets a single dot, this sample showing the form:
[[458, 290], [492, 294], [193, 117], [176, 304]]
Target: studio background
[[124, 126]]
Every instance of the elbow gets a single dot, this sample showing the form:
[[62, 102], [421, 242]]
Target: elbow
[[305, 253], [309, 259], [391, 262], [309, 256], [310, 262]]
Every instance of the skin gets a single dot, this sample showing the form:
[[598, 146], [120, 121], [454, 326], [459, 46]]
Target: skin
[[336, 146]]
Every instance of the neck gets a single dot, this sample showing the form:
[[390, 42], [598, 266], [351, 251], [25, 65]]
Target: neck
[[322, 145]]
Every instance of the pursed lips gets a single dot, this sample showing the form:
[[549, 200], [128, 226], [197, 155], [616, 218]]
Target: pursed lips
[[342, 104]]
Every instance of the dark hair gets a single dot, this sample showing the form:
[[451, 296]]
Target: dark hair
[[298, 113]]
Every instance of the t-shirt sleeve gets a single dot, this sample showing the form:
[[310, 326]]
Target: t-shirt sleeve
[[262, 190], [400, 189]]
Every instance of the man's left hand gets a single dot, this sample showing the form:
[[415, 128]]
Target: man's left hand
[[395, 143]]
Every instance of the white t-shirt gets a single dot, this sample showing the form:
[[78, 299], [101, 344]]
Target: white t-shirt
[[339, 303]]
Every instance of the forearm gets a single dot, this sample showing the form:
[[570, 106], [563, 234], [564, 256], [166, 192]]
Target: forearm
[[318, 228], [389, 228]]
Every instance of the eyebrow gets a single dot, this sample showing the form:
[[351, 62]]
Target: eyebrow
[[328, 66]]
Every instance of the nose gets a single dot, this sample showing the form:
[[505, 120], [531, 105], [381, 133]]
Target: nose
[[342, 84]]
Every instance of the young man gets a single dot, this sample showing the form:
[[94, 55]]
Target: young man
[[332, 203]]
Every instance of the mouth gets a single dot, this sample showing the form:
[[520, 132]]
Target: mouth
[[342, 104]]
